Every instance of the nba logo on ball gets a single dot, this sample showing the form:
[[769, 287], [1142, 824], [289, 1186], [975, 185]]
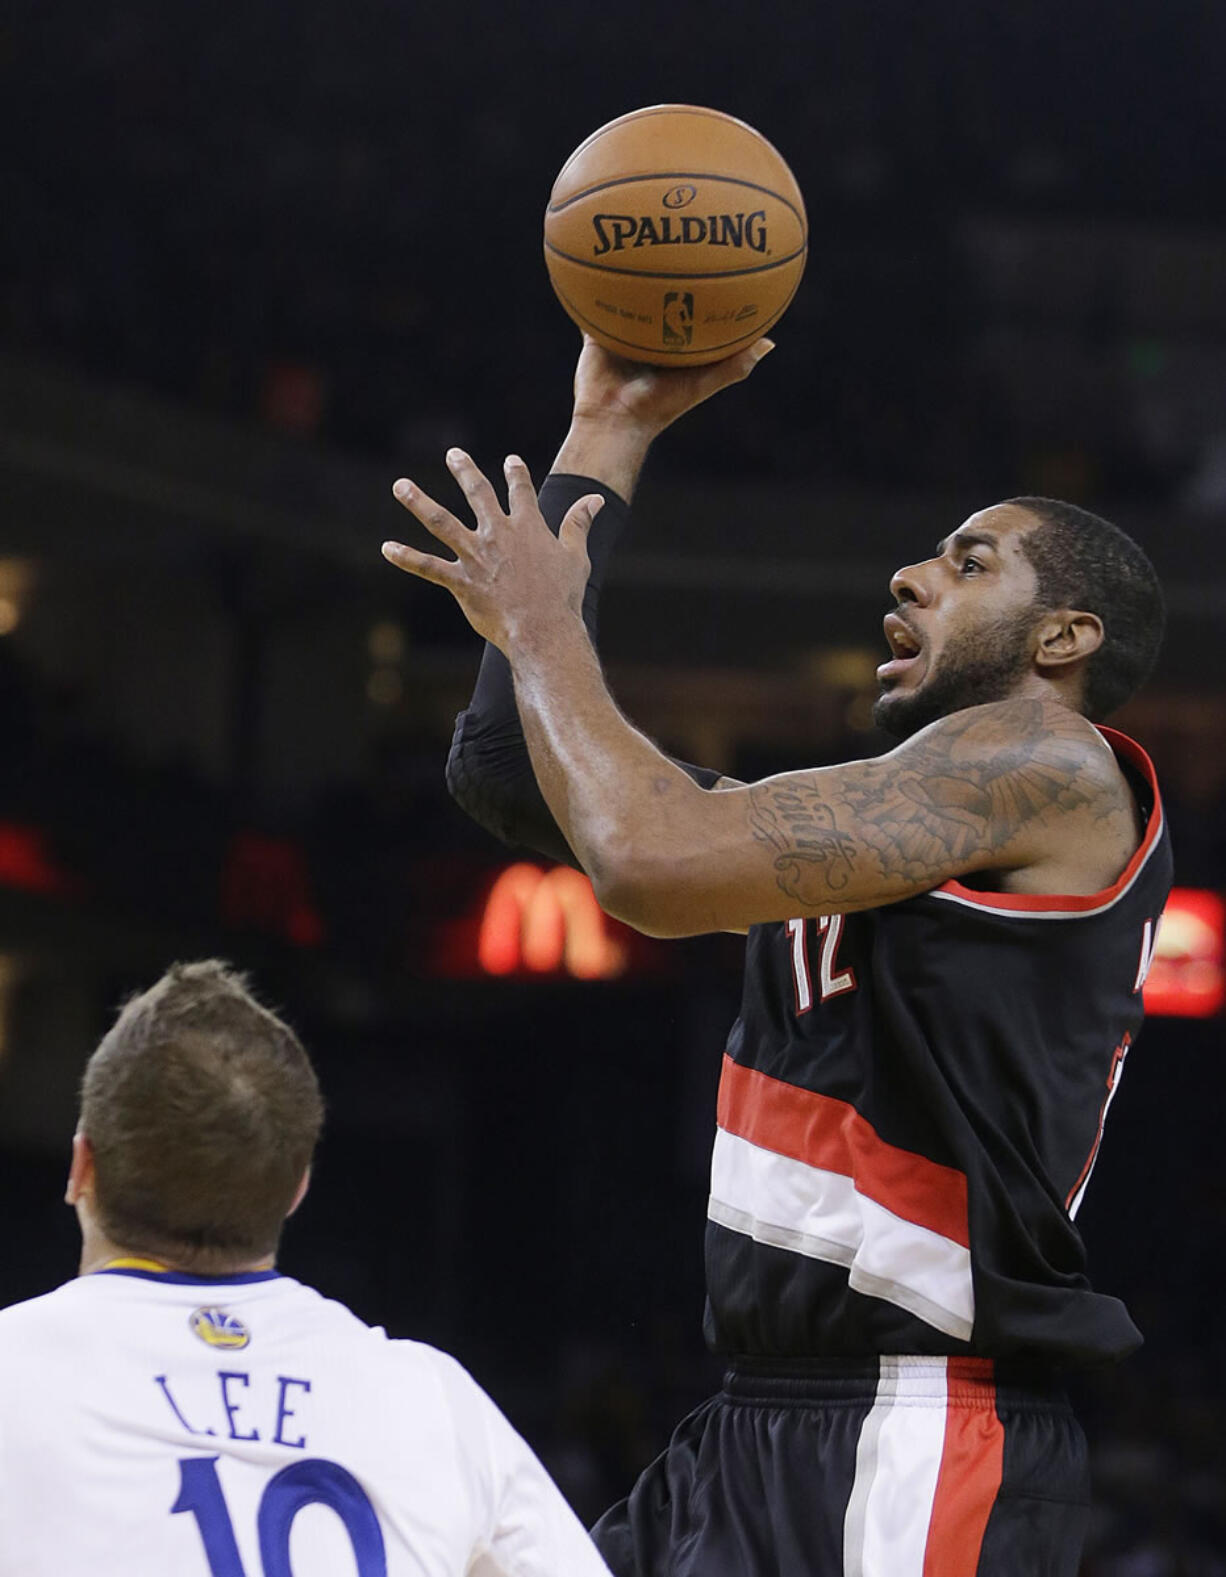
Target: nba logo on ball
[[665, 207], [677, 319]]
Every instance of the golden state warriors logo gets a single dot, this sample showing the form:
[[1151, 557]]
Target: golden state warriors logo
[[216, 1328]]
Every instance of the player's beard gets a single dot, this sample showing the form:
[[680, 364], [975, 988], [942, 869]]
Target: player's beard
[[976, 666]]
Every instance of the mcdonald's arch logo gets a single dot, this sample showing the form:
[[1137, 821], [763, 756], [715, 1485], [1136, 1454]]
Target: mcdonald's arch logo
[[547, 921]]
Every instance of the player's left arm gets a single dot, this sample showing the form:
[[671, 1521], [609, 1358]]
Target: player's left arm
[[1016, 786]]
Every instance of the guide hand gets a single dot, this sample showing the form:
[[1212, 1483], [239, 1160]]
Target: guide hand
[[611, 390]]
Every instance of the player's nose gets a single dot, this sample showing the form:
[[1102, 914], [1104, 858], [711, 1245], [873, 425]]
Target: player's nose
[[910, 584]]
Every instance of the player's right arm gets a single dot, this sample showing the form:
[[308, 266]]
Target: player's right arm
[[620, 408]]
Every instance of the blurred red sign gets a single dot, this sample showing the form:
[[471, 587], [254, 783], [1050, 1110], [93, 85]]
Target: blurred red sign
[[266, 886], [1188, 975], [547, 922], [26, 862]]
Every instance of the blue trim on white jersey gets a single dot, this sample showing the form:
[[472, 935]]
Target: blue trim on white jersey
[[181, 1278]]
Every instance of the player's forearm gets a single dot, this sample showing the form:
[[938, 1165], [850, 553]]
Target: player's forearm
[[627, 810], [610, 450], [488, 771], [621, 407]]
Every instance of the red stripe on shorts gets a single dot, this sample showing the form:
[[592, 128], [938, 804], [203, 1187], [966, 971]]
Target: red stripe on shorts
[[972, 1464]]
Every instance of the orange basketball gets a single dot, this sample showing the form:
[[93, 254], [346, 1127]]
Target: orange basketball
[[675, 235]]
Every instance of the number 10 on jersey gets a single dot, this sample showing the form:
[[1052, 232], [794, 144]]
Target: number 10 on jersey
[[313, 1482]]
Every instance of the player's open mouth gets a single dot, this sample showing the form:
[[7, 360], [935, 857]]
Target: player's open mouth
[[906, 647]]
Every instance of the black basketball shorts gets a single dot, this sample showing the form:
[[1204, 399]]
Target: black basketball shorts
[[895, 1467]]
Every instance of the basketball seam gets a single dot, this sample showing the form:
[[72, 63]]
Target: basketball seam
[[754, 333], [679, 175], [665, 109], [689, 273]]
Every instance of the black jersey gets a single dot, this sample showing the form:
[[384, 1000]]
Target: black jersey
[[910, 1109]]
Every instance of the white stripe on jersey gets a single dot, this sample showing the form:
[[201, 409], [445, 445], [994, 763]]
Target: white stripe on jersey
[[786, 1203]]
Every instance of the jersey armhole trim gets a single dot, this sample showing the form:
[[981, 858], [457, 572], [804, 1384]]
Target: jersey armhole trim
[[1072, 906]]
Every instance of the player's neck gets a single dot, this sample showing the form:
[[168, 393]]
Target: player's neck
[[98, 1252]]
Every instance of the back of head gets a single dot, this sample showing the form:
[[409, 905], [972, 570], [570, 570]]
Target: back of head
[[1085, 563], [202, 1111]]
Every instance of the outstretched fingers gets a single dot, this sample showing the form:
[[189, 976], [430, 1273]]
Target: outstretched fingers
[[520, 491], [718, 375], [475, 485], [426, 566], [439, 522]]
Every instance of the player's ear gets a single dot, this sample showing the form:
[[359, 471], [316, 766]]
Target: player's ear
[[301, 1193], [81, 1172], [1068, 636]]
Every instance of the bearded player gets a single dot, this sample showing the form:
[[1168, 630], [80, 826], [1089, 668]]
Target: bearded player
[[947, 945]]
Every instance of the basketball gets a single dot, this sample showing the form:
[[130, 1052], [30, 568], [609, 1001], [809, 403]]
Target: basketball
[[675, 234]]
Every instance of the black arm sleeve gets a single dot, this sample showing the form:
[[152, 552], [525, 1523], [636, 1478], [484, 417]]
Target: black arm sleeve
[[489, 772]]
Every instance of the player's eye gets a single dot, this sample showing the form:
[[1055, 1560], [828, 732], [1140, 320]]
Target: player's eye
[[971, 566]]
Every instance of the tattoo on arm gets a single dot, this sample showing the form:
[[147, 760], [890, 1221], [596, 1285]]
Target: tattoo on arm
[[968, 787], [800, 825]]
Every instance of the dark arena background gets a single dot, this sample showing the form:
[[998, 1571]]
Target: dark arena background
[[258, 260]]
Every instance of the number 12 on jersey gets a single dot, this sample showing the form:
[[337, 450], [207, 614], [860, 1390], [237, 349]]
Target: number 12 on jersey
[[313, 1482], [832, 981]]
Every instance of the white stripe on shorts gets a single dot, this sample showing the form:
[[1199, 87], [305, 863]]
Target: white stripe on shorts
[[898, 1461]]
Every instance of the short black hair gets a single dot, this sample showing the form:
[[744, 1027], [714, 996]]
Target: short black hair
[[1085, 563]]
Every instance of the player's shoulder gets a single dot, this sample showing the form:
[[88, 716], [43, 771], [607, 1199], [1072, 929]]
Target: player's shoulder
[[446, 1373], [37, 1324], [318, 1309], [34, 1312], [1018, 719], [473, 1413], [417, 1362], [1016, 734]]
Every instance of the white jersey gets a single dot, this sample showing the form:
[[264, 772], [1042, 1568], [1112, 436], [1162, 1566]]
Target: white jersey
[[155, 1424]]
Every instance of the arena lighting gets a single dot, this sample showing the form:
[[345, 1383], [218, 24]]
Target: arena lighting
[[26, 863], [1188, 976], [545, 922], [17, 579], [11, 971]]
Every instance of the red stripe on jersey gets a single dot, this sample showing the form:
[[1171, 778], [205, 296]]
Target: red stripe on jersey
[[972, 1465], [1117, 1064], [1077, 903], [832, 1136]]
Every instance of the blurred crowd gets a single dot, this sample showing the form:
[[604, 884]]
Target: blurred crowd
[[328, 220]]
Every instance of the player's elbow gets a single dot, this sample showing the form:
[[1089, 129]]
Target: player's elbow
[[478, 791], [642, 894], [462, 782]]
